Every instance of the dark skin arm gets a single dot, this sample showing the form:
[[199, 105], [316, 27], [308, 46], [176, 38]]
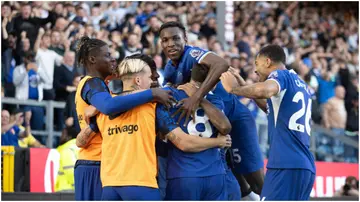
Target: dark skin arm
[[217, 66], [217, 117]]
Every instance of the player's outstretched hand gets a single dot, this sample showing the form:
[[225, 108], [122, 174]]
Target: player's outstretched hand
[[224, 140], [163, 96], [190, 89], [228, 81], [90, 111], [236, 74]]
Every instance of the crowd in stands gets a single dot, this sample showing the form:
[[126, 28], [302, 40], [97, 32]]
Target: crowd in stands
[[320, 40]]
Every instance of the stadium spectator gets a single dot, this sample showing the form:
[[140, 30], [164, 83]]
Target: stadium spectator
[[133, 45], [29, 140], [150, 37], [46, 60], [29, 80], [8, 42], [27, 22], [63, 85], [209, 29], [64, 76], [334, 116], [10, 132], [71, 119], [147, 11], [57, 43], [351, 187]]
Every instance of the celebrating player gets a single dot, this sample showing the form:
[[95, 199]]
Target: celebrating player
[[182, 57], [246, 154], [178, 70], [289, 111], [94, 55], [131, 136], [198, 176]]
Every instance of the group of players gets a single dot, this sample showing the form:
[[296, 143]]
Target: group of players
[[192, 140]]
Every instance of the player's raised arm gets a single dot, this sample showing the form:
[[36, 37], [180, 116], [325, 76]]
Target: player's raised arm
[[217, 66], [262, 90], [183, 141], [258, 91], [269, 62]]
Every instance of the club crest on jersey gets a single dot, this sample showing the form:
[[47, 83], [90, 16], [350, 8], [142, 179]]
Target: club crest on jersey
[[195, 53]]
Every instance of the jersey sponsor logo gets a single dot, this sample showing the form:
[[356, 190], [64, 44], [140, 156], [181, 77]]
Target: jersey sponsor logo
[[196, 53], [129, 129]]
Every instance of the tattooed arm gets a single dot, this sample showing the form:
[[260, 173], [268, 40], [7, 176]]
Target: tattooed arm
[[87, 133], [84, 137], [186, 143]]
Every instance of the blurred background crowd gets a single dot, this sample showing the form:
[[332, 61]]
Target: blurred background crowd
[[320, 39]]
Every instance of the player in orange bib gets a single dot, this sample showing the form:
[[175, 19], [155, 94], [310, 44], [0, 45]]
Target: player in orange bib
[[129, 166], [95, 56]]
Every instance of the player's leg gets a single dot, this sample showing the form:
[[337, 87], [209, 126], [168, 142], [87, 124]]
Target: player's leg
[[80, 190], [308, 183], [184, 189], [256, 180], [138, 193], [247, 156], [246, 192], [279, 184], [110, 194], [232, 186], [87, 182], [275, 187], [214, 188]]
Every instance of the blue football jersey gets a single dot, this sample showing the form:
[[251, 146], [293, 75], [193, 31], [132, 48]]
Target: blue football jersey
[[246, 153], [182, 73], [289, 114], [206, 163]]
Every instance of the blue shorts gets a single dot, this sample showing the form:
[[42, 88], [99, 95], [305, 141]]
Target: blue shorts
[[197, 188], [87, 181], [232, 186], [287, 184], [247, 156], [130, 193], [161, 178]]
